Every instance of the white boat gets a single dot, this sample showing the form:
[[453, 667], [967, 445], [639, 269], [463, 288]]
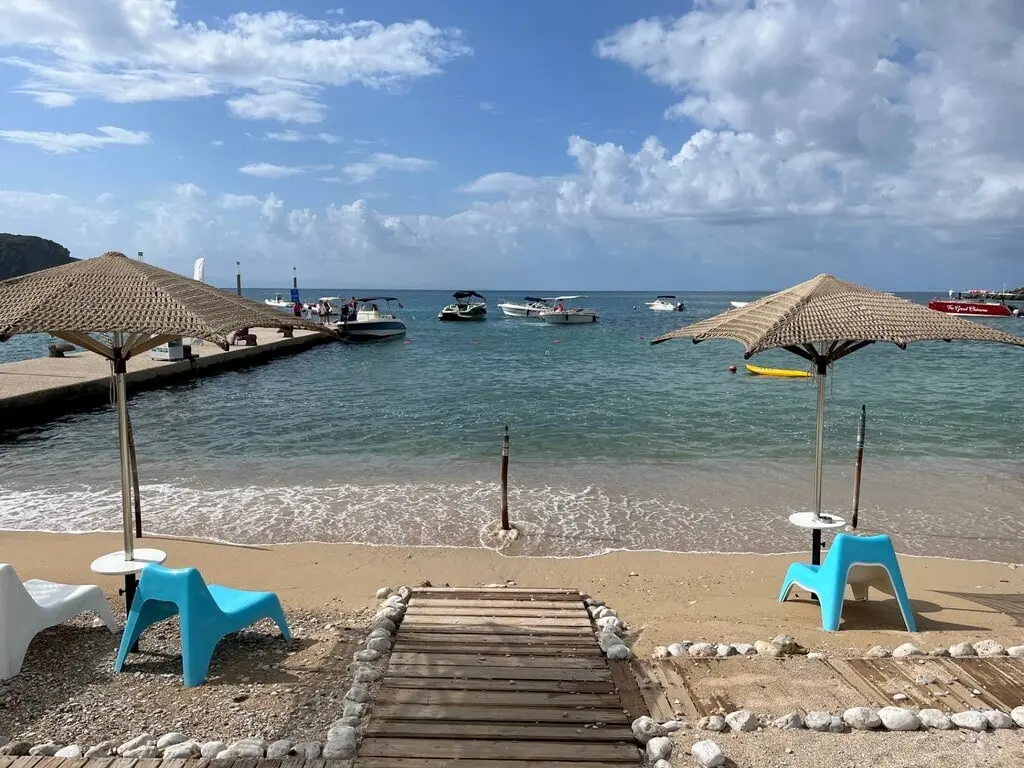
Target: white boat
[[335, 303], [738, 304], [666, 303], [370, 323], [532, 307], [464, 309], [279, 301], [563, 315]]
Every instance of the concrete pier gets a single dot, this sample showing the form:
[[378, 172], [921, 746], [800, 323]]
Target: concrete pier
[[37, 390]]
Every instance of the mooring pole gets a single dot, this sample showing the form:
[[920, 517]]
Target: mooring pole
[[238, 278], [504, 482], [295, 278], [860, 462]]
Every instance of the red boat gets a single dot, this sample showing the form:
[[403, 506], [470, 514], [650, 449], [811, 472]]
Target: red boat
[[975, 307]]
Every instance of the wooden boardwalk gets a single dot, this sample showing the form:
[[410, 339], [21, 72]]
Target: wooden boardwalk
[[497, 679], [126, 762]]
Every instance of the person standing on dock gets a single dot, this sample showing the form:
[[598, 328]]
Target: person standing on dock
[[297, 309]]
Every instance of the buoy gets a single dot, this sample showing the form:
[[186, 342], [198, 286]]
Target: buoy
[[557, 341], [732, 369]]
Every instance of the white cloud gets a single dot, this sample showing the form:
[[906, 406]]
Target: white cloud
[[489, 106], [383, 161], [284, 106], [141, 50], [271, 171], [501, 183], [228, 200], [63, 143], [291, 136], [217, 143]]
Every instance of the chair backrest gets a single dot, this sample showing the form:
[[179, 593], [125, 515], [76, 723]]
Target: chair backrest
[[850, 549], [184, 587], [14, 598]]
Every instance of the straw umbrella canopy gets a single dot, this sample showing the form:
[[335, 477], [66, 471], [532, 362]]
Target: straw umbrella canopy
[[825, 319], [135, 307]]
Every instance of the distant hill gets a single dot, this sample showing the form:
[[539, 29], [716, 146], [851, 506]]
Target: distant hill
[[21, 254]]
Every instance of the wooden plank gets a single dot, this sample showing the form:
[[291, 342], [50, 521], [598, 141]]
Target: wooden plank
[[498, 698], [432, 762], [496, 673], [848, 670], [960, 684], [124, 762], [181, 764], [477, 649], [491, 749], [677, 689], [495, 714], [6, 761], [526, 605], [653, 693], [493, 660], [499, 630], [545, 593], [627, 690], [499, 731], [974, 676], [539, 638], [415, 619], [516, 610], [26, 762], [541, 686], [1007, 680], [890, 674], [76, 762], [148, 762]]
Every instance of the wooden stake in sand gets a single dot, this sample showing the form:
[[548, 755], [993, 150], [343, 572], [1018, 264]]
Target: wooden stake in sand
[[504, 482], [860, 461]]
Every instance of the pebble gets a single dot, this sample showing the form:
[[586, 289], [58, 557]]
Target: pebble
[[925, 680], [960, 650], [941, 652], [816, 655], [723, 650], [646, 728], [379, 644], [379, 632], [103, 749], [792, 721], [358, 694], [659, 748], [355, 709], [714, 723], [341, 743], [141, 740], [211, 749], [661, 652], [367, 654], [405, 593], [679, 649], [708, 754], [618, 652], [997, 719], [145, 752], [907, 649], [935, 719], [186, 750], [310, 750], [787, 644], [387, 624], [49, 749], [989, 648], [970, 721], [767, 649], [1016, 650], [662, 764], [861, 718], [367, 675], [817, 721], [611, 624], [671, 726], [170, 739], [742, 721], [898, 719], [702, 650], [745, 649], [900, 697], [878, 652], [384, 592], [72, 750], [15, 749], [837, 725], [281, 748]]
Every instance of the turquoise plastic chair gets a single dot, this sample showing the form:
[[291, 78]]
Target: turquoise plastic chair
[[208, 613], [862, 561]]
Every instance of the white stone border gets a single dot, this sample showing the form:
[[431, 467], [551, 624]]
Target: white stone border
[[611, 630]]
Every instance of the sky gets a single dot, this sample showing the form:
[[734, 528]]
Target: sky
[[579, 144]]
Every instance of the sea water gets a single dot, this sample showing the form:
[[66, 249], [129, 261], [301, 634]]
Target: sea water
[[615, 444]]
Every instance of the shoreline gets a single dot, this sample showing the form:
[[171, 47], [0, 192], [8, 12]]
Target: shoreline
[[665, 597], [796, 553]]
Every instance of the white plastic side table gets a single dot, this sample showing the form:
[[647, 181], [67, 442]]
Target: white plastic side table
[[816, 526], [114, 564]]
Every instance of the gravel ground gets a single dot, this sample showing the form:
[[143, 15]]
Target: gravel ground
[[933, 749], [259, 684]]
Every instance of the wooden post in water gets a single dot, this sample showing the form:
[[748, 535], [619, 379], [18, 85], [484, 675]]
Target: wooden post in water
[[860, 463], [504, 482]]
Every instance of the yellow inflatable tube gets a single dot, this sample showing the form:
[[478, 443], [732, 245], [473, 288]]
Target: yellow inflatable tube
[[786, 373]]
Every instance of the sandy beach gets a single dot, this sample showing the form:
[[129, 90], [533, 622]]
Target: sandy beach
[[664, 597]]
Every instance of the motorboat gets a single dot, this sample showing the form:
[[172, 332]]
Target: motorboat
[[334, 303], [279, 302], [738, 304], [532, 306], [975, 303], [666, 303], [563, 315], [369, 322], [463, 308]]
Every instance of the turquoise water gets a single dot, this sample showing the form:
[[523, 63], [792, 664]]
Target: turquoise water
[[615, 443]]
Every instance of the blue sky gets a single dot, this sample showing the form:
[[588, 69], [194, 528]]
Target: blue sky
[[585, 145]]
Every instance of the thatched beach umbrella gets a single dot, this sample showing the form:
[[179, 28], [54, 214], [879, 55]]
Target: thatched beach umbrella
[[824, 320], [135, 307]]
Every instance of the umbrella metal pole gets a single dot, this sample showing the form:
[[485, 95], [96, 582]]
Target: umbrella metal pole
[[121, 396], [860, 463], [819, 461]]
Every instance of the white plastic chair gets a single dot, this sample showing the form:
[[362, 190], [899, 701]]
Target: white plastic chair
[[30, 607]]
